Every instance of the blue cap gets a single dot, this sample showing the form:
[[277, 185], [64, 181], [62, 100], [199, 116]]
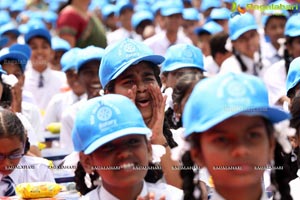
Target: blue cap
[[123, 4], [243, 3], [172, 8], [3, 41], [206, 4], [279, 12], [157, 5], [210, 27], [121, 55], [104, 119], [36, 28], [50, 17], [292, 26], [89, 53], [191, 14], [4, 17], [182, 56], [220, 14], [9, 28], [69, 59], [240, 24], [18, 6], [227, 95], [141, 16], [293, 76], [18, 52], [59, 44], [108, 10]]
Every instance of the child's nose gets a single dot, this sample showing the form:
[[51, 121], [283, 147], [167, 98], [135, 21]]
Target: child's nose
[[239, 149]]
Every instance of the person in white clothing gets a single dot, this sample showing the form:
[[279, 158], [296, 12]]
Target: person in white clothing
[[160, 42], [61, 101], [113, 139], [88, 61], [124, 12], [231, 133], [276, 75], [14, 164], [40, 80], [245, 47]]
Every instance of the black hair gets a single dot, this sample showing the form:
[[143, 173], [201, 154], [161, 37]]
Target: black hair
[[11, 126], [64, 5], [286, 56], [6, 98], [279, 178], [183, 85], [217, 43], [80, 180]]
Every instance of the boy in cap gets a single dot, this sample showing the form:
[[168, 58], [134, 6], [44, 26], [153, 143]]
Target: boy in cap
[[112, 135], [88, 61], [42, 81]]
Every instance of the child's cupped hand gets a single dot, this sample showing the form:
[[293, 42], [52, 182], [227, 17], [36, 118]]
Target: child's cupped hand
[[158, 113]]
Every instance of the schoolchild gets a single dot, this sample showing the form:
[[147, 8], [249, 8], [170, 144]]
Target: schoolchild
[[13, 61], [111, 132], [245, 47], [293, 80], [40, 80], [15, 166], [276, 76], [75, 92], [59, 47], [87, 69], [131, 68], [233, 136], [180, 59]]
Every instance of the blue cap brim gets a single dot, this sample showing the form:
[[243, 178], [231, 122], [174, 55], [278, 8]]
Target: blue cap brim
[[176, 66], [156, 59], [40, 32], [240, 32], [274, 115], [112, 136], [21, 58]]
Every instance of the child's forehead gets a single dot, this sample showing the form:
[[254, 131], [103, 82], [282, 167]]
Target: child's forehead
[[124, 138]]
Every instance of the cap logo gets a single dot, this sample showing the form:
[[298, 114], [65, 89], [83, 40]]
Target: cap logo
[[188, 55], [237, 94], [104, 113], [128, 50]]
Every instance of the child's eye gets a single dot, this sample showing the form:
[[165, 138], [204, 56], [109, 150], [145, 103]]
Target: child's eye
[[221, 140], [133, 141], [254, 135], [108, 148], [129, 82]]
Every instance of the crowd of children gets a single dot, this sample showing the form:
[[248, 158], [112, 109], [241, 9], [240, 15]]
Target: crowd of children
[[175, 99]]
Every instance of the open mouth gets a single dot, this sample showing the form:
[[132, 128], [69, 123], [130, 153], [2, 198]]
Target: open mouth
[[143, 103]]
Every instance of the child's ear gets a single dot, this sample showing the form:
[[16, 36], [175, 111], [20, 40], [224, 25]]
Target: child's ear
[[86, 162], [197, 157]]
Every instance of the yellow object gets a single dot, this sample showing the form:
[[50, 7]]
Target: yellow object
[[38, 190], [41, 145], [54, 127]]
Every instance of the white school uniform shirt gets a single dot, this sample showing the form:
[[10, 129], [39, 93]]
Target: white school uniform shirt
[[35, 169], [53, 82], [58, 104], [159, 189], [211, 67], [120, 34], [31, 134], [269, 52], [33, 115], [275, 80], [231, 64], [159, 43], [67, 122], [216, 196], [294, 186]]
